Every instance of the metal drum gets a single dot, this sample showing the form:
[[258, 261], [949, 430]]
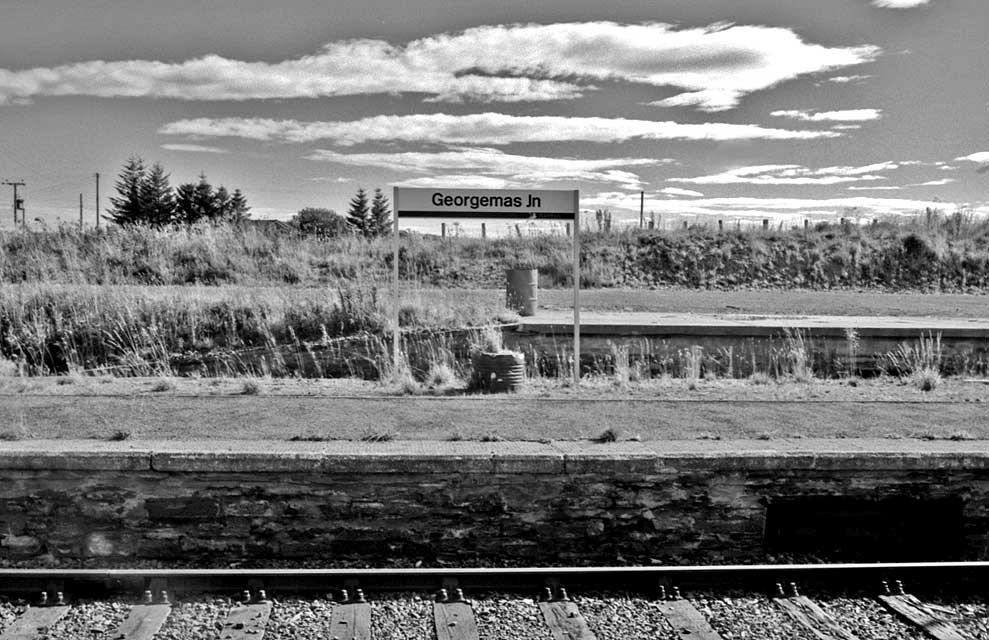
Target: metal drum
[[522, 291], [498, 372]]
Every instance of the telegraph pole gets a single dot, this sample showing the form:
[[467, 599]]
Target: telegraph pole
[[80, 212], [18, 202], [97, 200]]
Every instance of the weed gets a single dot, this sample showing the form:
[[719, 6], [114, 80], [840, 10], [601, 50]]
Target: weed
[[163, 384], [491, 437], [9, 436], [623, 371], [760, 378], [442, 378], [372, 435], [764, 435], [960, 435], [308, 438], [251, 388], [608, 435], [456, 436], [119, 435], [926, 379]]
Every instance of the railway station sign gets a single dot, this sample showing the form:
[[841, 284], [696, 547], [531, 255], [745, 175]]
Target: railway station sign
[[482, 204], [485, 203]]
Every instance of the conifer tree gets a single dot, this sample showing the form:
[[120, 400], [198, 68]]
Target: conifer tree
[[157, 200], [237, 209], [380, 214], [127, 208], [359, 215]]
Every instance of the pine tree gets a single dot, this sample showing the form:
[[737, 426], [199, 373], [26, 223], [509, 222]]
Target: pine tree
[[204, 199], [237, 210], [358, 215], [185, 203], [380, 214], [127, 208], [157, 200]]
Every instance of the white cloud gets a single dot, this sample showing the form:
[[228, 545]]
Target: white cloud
[[773, 208], [846, 115], [193, 148], [493, 162], [712, 67], [981, 156], [481, 128], [874, 188], [456, 181], [899, 4], [792, 174], [848, 79], [934, 183], [674, 191]]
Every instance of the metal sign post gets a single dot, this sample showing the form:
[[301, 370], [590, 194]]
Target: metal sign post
[[487, 204]]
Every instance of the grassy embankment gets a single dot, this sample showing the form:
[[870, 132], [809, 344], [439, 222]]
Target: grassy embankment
[[57, 311]]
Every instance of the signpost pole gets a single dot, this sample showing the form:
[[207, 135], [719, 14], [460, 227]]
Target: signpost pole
[[576, 288], [396, 294]]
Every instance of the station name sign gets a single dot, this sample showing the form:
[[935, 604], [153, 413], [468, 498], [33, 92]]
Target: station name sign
[[485, 203]]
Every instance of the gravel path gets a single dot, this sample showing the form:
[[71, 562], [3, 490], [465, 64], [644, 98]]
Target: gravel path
[[867, 619], [399, 616], [748, 618], [8, 612], [86, 620], [196, 620], [969, 615], [621, 616], [504, 616], [299, 619]]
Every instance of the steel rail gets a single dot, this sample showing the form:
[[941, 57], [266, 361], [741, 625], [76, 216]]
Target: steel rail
[[956, 575]]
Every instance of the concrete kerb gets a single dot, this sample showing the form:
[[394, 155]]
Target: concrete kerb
[[556, 458]]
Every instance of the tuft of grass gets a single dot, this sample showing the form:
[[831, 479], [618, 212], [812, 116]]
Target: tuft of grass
[[119, 435], [441, 377], [760, 378], [163, 384], [373, 435], [926, 379], [456, 436], [308, 438], [8, 435], [623, 370], [960, 435], [251, 388], [491, 437], [608, 435]]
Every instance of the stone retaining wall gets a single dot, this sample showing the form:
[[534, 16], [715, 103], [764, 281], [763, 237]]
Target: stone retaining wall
[[457, 502]]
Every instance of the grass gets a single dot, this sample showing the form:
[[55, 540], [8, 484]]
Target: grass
[[931, 251]]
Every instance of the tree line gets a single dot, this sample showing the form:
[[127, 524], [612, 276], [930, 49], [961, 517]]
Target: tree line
[[368, 218], [145, 196]]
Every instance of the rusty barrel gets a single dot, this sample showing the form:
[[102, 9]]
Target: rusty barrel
[[522, 291], [498, 372]]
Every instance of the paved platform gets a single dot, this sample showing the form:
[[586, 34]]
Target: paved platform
[[749, 325], [443, 457]]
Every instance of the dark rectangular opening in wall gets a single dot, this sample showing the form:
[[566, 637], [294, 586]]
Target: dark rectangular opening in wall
[[857, 529]]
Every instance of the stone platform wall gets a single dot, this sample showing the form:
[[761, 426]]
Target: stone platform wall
[[457, 502]]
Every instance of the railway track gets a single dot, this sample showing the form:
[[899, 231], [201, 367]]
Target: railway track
[[945, 601]]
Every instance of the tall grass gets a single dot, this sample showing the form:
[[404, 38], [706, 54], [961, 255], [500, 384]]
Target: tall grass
[[931, 251]]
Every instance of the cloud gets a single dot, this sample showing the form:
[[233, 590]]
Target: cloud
[[533, 169], [899, 4], [756, 208], [712, 68], [193, 148], [848, 79], [792, 174], [934, 183], [981, 156], [674, 191], [874, 188], [456, 181], [481, 128], [847, 115]]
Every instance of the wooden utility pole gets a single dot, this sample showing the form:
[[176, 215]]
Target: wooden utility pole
[[18, 203], [80, 212], [97, 200], [642, 209]]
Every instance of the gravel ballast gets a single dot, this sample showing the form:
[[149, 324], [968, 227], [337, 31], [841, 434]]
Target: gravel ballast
[[867, 619], [746, 618], [401, 616], [198, 619], [502, 616], [86, 620], [617, 616], [299, 619]]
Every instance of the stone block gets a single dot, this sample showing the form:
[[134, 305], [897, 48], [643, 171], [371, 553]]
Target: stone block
[[190, 508]]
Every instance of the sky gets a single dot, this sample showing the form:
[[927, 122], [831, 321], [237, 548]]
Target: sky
[[733, 109]]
